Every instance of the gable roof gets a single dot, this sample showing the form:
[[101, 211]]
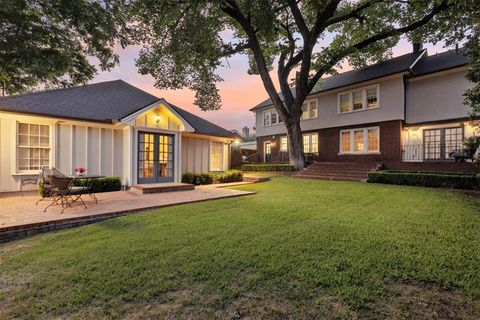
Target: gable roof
[[105, 102], [416, 63]]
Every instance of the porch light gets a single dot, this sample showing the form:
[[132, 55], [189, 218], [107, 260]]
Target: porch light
[[236, 141], [157, 118]]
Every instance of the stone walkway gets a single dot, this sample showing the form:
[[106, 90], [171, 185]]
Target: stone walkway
[[21, 212]]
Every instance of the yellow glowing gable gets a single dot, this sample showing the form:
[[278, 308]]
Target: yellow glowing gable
[[160, 118]]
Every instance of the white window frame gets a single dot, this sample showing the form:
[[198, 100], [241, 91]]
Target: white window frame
[[364, 99], [269, 113], [17, 146], [310, 142], [222, 155], [286, 144], [365, 141], [309, 103]]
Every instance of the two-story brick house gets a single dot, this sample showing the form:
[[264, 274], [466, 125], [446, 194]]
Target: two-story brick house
[[407, 113]]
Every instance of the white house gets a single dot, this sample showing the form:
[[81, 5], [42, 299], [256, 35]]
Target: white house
[[111, 128]]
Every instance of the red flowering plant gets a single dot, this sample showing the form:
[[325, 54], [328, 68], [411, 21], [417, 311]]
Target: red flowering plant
[[80, 170]]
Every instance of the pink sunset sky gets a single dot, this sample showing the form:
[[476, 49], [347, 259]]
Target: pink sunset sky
[[239, 91]]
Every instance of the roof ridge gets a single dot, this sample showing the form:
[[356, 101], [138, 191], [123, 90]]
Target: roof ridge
[[59, 89]]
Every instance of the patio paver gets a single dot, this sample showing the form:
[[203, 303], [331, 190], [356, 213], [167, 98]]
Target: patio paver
[[21, 212]]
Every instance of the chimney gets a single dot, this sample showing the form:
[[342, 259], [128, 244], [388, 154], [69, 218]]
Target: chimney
[[417, 46]]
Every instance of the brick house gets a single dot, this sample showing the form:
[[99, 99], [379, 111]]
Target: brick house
[[406, 112]]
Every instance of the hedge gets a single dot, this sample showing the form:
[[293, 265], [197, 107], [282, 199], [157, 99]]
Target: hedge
[[426, 179], [267, 167], [209, 178], [106, 184]]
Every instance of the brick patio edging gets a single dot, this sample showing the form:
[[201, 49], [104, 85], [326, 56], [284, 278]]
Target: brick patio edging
[[27, 230]]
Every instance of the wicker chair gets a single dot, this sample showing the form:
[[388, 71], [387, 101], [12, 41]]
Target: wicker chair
[[63, 192]]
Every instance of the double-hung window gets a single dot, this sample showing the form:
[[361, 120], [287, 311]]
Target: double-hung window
[[361, 140], [358, 99], [283, 144], [217, 156], [310, 143], [33, 146], [310, 109], [271, 117]]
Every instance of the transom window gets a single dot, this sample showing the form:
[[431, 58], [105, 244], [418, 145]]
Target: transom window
[[270, 117], [283, 144], [310, 109], [361, 140], [359, 99], [310, 143], [33, 146]]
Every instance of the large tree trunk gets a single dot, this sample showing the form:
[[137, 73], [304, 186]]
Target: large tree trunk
[[295, 143]]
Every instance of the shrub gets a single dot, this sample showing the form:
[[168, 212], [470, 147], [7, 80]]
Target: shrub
[[105, 184], [426, 179], [267, 167], [230, 176], [209, 178]]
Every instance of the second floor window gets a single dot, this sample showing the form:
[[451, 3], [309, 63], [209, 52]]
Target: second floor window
[[271, 117], [359, 99], [310, 109]]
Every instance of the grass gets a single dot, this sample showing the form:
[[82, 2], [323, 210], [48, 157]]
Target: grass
[[297, 249]]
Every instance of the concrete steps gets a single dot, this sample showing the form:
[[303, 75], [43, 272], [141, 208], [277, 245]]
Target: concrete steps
[[160, 187]]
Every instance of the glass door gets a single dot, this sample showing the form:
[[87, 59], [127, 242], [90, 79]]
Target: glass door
[[268, 151], [439, 143], [155, 157]]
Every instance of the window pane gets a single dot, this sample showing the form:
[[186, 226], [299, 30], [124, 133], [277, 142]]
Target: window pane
[[304, 111], [357, 100], [274, 117], [283, 144], [23, 140], [373, 140], [313, 109], [306, 144], [314, 140], [345, 102], [23, 128], [358, 140], [345, 141], [372, 98], [266, 118]]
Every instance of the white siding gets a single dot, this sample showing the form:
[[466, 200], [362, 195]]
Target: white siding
[[391, 107], [437, 98]]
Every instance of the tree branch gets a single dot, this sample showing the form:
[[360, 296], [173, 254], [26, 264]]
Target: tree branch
[[231, 8], [351, 14], [378, 37], [300, 22]]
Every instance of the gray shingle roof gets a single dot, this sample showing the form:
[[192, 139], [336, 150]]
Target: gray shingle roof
[[202, 126], [104, 102], [426, 64], [440, 62]]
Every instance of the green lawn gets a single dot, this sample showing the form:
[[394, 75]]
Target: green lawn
[[296, 249]]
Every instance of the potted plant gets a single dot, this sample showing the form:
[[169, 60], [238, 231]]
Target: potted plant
[[80, 171]]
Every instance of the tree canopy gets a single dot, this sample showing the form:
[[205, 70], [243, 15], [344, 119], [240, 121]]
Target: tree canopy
[[185, 42], [49, 41]]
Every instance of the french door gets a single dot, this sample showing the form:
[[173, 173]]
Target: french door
[[155, 157], [268, 151], [438, 143]]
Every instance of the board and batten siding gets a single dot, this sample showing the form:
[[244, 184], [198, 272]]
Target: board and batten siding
[[196, 154], [100, 150], [97, 147]]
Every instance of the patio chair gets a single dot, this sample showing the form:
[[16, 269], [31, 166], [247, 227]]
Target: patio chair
[[45, 182], [63, 192]]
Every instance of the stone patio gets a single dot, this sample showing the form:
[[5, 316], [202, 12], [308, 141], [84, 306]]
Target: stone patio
[[19, 213]]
